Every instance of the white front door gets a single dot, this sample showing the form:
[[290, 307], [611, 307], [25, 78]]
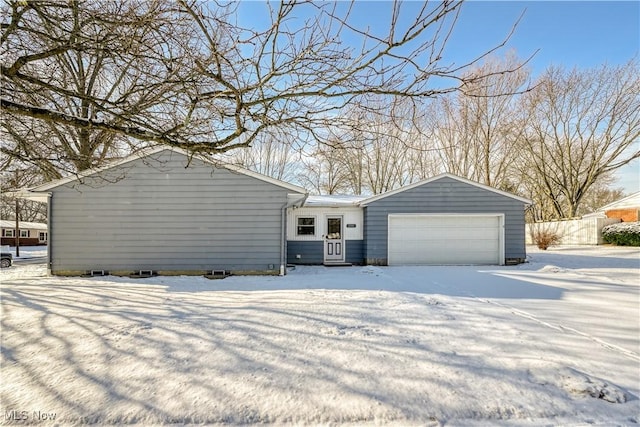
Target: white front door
[[334, 240]]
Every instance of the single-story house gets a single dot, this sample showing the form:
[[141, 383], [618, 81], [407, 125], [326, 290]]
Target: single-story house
[[166, 211], [626, 209], [31, 233]]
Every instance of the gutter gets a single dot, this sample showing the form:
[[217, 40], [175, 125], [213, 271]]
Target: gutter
[[49, 234]]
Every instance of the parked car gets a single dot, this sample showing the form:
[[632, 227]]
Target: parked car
[[6, 259]]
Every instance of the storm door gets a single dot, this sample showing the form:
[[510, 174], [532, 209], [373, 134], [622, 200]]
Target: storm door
[[334, 240]]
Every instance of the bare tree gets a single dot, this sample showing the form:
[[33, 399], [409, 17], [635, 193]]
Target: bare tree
[[27, 210], [600, 194], [274, 154], [374, 147], [73, 73], [322, 172], [475, 129], [193, 74], [384, 146], [449, 127], [490, 103], [580, 127]]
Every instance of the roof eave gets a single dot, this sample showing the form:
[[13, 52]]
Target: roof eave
[[154, 150], [29, 194], [365, 202]]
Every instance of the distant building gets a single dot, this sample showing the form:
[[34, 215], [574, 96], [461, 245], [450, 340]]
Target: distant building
[[626, 209], [31, 233]]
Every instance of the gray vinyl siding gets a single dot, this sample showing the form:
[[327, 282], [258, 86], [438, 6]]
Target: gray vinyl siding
[[355, 251], [445, 195], [155, 214], [312, 252]]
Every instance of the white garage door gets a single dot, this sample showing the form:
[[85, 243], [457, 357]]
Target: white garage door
[[445, 239]]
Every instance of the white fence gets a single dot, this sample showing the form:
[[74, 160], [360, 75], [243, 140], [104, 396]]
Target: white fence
[[585, 231]]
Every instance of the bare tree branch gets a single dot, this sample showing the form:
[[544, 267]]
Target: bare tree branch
[[191, 74]]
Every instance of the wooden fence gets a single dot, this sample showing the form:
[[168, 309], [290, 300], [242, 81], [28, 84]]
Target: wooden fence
[[585, 231]]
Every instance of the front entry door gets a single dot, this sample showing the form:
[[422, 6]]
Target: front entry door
[[334, 240]]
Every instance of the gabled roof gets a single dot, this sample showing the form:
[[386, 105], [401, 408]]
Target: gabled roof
[[148, 152], [631, 201], [438, 177]]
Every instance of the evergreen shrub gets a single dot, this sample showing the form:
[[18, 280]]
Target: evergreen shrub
[[622, 234]]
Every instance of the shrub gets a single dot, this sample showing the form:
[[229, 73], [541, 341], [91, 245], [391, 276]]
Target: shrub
[[544, 237], [622, 234]]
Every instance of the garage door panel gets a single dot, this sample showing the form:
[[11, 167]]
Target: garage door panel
[[442, 258], [439, 234], [419, 233], [444, 239]]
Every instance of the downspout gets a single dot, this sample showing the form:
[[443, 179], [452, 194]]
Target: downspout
[[49, 234], [283, 234], [16, 232], [283, 239]]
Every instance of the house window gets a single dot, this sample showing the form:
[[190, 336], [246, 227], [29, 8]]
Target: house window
[[25, 233], [42, 237], [306, 226], [8, 233]]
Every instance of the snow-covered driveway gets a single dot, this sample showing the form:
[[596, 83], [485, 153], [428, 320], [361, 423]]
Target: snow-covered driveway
[[553, 341]]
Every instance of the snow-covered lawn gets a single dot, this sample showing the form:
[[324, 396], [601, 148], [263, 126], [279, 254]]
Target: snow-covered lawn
[[553, 341], [28, 252]]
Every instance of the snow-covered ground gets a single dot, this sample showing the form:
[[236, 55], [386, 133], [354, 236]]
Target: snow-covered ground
[[28, 252], [555, 341]]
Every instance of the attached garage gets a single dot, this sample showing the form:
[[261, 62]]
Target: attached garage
[[431, 239], [444, 220]]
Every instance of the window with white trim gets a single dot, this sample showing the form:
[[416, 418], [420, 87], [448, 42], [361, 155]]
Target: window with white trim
[[25, 233], [8, 233], [42, 236], [306, 226]]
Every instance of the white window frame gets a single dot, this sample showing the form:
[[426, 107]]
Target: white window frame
[[315, 225], [8, 232], [25, 234], [41, 234]]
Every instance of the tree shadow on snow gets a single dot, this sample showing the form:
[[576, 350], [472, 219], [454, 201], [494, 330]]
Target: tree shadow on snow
[[575, 258], [461, 281], [164, 350]]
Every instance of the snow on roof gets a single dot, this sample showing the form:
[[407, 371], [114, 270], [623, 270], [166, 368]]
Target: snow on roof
[[24, 225], [334, 200], [631, 201]]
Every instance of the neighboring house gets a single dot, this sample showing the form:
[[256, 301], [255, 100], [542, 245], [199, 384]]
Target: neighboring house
[[626, 209], [31, 233], [442, 220], [169, 212]]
